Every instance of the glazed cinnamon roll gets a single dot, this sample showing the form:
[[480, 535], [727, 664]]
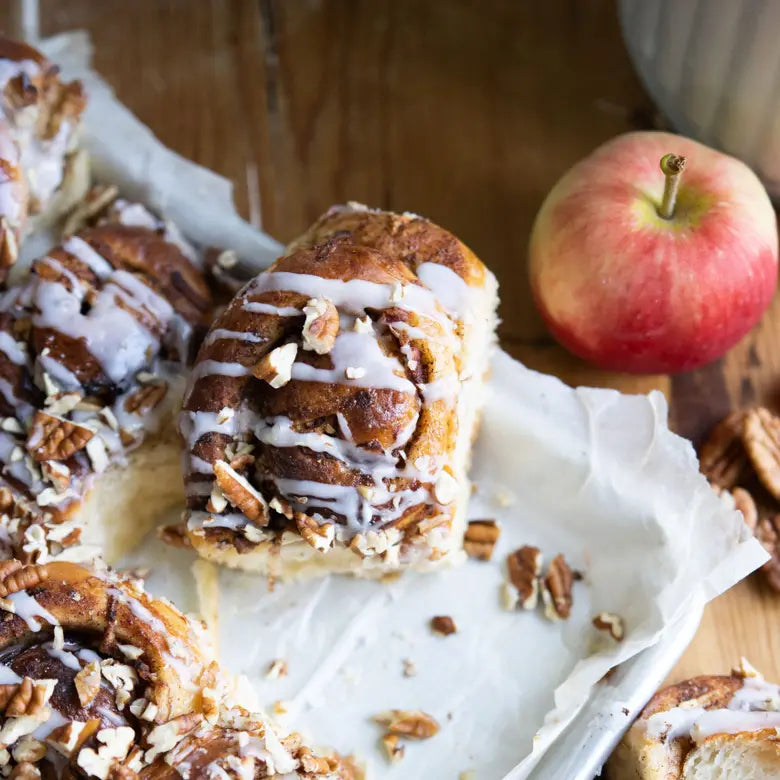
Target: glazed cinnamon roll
[[100, 680], [93, 348], [330, 413], [705, 728], [42, 171]]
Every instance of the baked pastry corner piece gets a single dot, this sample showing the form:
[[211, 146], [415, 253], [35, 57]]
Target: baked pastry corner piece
[[100, 680], [43, 170], [706, 728], [331, 411], [93, 350]]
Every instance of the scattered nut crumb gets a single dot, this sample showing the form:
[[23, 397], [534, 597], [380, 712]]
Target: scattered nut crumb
[[480, 539], [414, 724], [393, 749], [280, 707], [410, 670], [558, 589], [443, 624], [611, 623], [276, 669], [524, 566]]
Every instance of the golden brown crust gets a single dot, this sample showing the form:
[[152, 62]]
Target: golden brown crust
[[708, 691], [411, 239]]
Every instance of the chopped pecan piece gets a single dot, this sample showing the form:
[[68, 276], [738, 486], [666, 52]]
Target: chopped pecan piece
[[413, 724], [313, 764], [276, 367], [25, 771], [761, 436], [722, 457], [480, 539], [394, 750], [558, 589], [745, 503], [319, 536], [55, 438], [768, 533], [23, 578], [611, 623], [87, 683], [143, 400], [443, 624], [240, 493], [524, 566], [321, 326], [9, 247]]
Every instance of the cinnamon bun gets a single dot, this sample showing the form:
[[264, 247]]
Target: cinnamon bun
[[330, 413], [702, 729], [43, 171], [97, 679], [93, 349]]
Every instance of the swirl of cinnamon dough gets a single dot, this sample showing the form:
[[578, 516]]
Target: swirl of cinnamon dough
[[40, 117], [92, 350], [97, 679], [326, 408]]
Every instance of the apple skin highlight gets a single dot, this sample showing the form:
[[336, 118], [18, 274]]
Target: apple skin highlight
[[626, 289]]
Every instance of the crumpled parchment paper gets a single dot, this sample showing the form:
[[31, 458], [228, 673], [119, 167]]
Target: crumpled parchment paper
[[591, 473]]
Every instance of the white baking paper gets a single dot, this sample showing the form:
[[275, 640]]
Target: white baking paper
[[590, 473]]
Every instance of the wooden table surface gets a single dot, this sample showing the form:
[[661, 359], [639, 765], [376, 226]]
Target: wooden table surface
[[437, 107]]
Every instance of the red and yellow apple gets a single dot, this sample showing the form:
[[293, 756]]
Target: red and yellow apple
[[639, 269]]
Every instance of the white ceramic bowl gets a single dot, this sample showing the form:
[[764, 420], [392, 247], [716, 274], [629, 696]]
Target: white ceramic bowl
[[713, 67]]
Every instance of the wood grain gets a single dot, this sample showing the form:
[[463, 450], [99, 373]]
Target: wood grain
[[446, 108]]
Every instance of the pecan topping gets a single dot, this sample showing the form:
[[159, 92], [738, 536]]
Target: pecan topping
[[443, 624], [276, 367], [320, 537], [25, 698], [9, 247], [524, 566], [558, 584], [25, 771], [394, 750], [321, 326], [480, 539], [87, 683], [610, 622], [745, 503], [762, 441], [315, 765], [143, 400], [55, 438], [722, 457], [22, 578], [240, 494], [413, 724]]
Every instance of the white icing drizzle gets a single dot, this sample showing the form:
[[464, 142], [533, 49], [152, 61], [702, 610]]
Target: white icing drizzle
[[752, 708], [222, 334], [28, 609], [10, 347], [357, 359]]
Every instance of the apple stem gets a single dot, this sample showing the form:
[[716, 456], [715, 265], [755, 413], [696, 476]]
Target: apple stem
[[672, 165]]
